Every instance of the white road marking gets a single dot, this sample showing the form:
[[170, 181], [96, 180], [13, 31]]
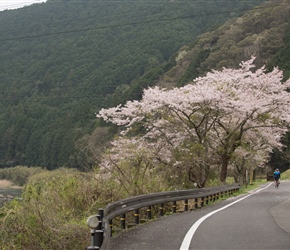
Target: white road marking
[[187, 239]]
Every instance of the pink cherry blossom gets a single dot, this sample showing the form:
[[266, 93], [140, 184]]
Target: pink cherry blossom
[[211, 118]]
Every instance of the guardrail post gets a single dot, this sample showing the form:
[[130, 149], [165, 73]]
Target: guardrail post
[[101, 213], [161, 209], [202, 201], [111, 227], [186, 205], [123, 221], [174, 207], [195, 203], [93, 244], [136, 216], [99, 233], [149, 213]]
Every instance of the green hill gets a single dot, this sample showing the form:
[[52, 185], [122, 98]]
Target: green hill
[[61, 61]]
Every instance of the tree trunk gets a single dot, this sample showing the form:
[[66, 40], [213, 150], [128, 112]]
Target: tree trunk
[[251, 173], [224, 168]]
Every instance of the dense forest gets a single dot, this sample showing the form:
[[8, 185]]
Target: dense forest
[[61, 61]]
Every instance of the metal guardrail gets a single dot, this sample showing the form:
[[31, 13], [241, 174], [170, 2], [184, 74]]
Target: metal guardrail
[[101, 223]]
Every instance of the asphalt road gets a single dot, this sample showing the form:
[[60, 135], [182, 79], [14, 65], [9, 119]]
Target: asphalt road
[[257, 220]]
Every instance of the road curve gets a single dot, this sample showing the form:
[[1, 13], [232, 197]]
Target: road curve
[[258, 220]]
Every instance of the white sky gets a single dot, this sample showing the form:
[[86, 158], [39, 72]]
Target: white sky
[[14, 4]]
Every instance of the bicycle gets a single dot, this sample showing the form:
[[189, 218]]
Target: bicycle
[[277, 183]]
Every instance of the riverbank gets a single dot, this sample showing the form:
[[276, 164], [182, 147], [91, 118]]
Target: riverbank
[[8, 191]]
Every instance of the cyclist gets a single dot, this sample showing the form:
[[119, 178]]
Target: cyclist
[[277, 176]]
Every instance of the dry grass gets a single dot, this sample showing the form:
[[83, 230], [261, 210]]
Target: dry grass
[[7, 184]]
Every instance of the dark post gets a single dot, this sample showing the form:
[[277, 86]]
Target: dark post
[[161, 209], [101, 216], [93, 243], [202, 201], [101, 213], [111, 226], [195, 203], [99, 233], [206, 199], [174, 207], [186, 205], [149, 214], [123, 221], [136, 215]]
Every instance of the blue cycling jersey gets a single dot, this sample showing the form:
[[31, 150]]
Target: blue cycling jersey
[[276, 174]]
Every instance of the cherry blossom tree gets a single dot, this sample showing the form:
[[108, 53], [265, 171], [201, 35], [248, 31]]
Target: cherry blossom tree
[[210, 118], [169, 127], [254, 102], [255, 153], [136, 166]]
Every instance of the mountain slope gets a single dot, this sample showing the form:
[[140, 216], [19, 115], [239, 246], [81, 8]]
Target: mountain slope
[[63, 60], [261, 32]]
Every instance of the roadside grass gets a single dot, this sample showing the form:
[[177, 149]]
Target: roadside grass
[[256, 184], [246, 188], [285, 175]]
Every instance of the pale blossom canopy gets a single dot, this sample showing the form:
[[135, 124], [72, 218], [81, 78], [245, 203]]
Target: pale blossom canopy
[[254, 103]]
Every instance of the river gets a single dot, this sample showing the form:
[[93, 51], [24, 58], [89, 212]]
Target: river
[[7, 194]]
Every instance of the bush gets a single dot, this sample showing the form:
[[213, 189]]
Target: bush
[[52, 213], [19, 175]]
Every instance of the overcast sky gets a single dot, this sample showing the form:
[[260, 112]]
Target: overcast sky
[[14, 4]]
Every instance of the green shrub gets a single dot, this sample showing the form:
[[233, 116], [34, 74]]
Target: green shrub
[[19, 175], [285, 175], [52, 213]]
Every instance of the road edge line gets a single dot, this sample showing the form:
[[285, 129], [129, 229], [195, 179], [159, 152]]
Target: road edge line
[[188, 237]]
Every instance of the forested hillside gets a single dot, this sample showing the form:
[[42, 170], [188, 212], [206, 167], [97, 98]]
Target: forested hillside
[[263, 32], [61, 61]]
